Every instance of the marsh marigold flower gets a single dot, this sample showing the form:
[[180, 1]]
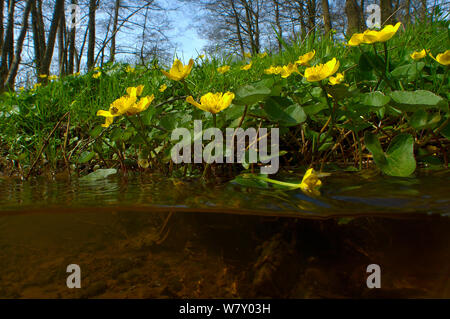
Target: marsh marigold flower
[[162, 88], [373, 36], [213, 102], [223, 69], [321, 71], [305, 58], [179, 71], [126, 104], [442, 58], [287, 70], [246, 67], [273, 70], [339, 78], [417, 55]]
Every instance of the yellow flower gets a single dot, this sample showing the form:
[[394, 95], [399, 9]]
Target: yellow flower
[[273, 70], [129, 69], [42, 76], [442, 58], [52, 77], [247, 55], [162, 88], [373, 36], [287, 70], [223, 69], [304, 59], [96, 75], [135, 91], [321, 71], [310, 181], [246, 67], [141, 105], [417, 55], [339, 78], [213, 102], [179, 71], [262, 55], [356, 39]]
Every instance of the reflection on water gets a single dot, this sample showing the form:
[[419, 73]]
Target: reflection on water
[[150, 237]]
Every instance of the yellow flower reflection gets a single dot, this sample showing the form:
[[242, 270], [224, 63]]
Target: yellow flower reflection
[[213, 102]]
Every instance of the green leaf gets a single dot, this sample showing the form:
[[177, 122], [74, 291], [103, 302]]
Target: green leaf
[[376, 99], [99, 174], [420, 99], [252, 93], [422, 119], [276, 110], [399, 158], [409, 71], [85, 157]]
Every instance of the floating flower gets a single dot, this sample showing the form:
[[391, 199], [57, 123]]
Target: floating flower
[[322, 71], [223, 69], [287, 70], [417, 55], [246, 67], [310, 181], [162, 88], [304, 59], [179, 71], [339, 78], [213, 102], [97, 75], [442, 58]]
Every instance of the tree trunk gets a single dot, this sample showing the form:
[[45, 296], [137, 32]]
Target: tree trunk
[[326, 16], [386, 11], [16, 61], [71, 49], [353, 17], [58, 11], [112, 50], [91, 41]]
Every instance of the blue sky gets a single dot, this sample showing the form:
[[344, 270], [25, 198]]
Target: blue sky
[[184, 33]]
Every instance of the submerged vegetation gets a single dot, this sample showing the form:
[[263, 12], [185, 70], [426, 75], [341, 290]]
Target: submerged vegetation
[[379, 98]]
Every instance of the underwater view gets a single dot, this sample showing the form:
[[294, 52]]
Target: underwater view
[[224, 149]]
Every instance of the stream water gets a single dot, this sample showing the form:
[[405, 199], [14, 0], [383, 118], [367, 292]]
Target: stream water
[[143, 236]]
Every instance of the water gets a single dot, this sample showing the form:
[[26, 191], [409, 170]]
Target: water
[[145, 236]]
